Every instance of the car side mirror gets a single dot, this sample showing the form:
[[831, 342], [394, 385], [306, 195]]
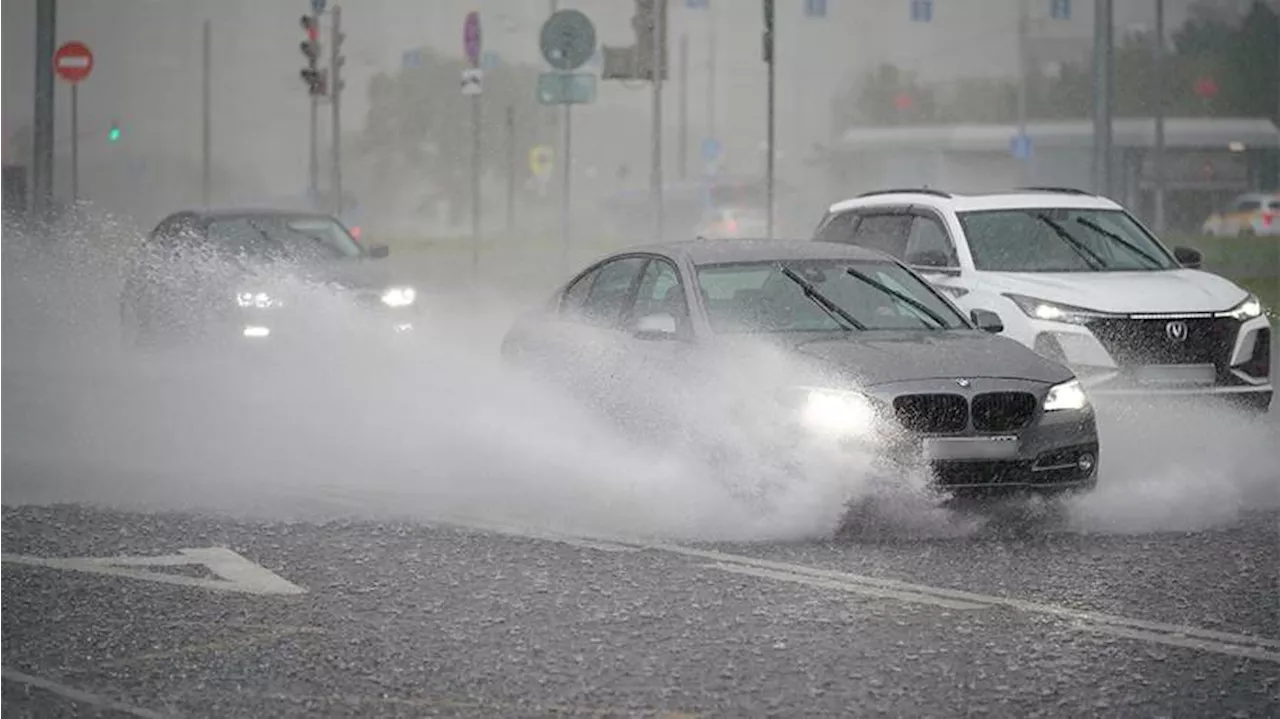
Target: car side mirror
[[987, 321], [1188, 257], [659, 326], [378, 252]]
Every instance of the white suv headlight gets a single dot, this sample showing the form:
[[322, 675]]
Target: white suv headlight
[[833, 412], [1053, 311], [1068, 395], [399, 296], [1247, 310]]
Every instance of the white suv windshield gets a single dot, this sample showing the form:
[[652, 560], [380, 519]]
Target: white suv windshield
[[1061, 240]]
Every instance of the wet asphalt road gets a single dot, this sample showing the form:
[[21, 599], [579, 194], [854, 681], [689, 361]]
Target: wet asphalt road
[[416, 619]]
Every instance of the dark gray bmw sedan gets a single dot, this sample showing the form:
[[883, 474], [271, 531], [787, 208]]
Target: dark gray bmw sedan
[[881, 359]]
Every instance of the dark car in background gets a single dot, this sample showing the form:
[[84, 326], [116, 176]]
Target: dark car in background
[[251, 274]]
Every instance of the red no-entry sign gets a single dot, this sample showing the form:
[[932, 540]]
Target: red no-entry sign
[[73, 62]]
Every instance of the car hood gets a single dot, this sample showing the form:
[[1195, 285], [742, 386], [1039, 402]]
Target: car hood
[[1123, 292], [351, 274], [876, 357]]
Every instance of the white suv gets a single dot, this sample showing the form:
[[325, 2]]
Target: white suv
[[1077, 278]]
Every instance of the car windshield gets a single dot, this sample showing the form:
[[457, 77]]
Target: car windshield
[[300, 238], [762, 297], [1061, 240]]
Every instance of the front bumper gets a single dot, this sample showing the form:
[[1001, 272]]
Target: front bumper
[[1162, 355], [1058, 453], [966, 446]]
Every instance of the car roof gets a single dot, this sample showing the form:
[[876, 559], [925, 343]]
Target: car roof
[[716, 251], [224, 213], [1014, 199]]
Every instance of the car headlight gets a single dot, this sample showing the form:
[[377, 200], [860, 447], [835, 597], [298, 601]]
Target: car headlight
[[833, 412], [1053, 311], [1068, 395], [260, 300], [399, 297], [1247, 310]]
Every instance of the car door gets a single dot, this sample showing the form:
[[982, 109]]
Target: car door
[[658, 371], [579, 343]]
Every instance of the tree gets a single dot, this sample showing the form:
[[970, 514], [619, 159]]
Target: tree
[[887, 95], [419, 125], [1219, 66]]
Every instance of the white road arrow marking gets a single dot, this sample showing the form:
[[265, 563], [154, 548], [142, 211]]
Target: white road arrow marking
[[236, 573]]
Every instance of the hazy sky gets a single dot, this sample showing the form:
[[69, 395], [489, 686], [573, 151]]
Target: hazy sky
[[147, 73]]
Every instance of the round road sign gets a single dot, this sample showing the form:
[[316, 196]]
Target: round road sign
[[568, 40], [471, 37], [73, 62], [540, 159]]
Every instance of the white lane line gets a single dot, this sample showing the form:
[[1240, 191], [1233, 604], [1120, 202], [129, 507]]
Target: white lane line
[[77, 695], [848, 587], [1255, 647], [1177, 640], [1157, 632]]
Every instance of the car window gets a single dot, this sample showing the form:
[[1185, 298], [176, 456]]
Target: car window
[[610, 291], [884, 232], [283, 238], [1247, 205], [1273, 205], [759, 297], [928, 244], [838, 228], [660, 292], [573, 297], [1060, 240]]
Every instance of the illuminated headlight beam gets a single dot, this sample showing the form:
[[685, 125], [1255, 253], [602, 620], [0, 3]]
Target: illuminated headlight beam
[[1069, 395], [835, 413], [399, 296]]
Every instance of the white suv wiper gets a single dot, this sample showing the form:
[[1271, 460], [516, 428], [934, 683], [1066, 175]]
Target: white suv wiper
[[1091, 258], [1122, 241]]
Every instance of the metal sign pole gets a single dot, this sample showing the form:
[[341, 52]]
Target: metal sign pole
[[75, 144], [568, 175], [206, 137], [655, 173]]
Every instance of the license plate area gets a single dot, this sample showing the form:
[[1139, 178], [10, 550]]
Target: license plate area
[[977, 448], [1194, 375]]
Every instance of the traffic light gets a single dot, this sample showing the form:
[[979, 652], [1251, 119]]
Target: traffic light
[[113, 133], [637, 62], [313, 76], [337, 59]]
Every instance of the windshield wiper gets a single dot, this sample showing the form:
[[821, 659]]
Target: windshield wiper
[[1091, 258], [1123, 242], [914, 303], [837, 313]]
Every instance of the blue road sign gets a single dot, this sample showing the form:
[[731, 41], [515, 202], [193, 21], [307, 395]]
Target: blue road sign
[[1020, 146], [815, 8], [411, 58], [317, 6], [711, 149], [921, 10], [1060, 9]]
